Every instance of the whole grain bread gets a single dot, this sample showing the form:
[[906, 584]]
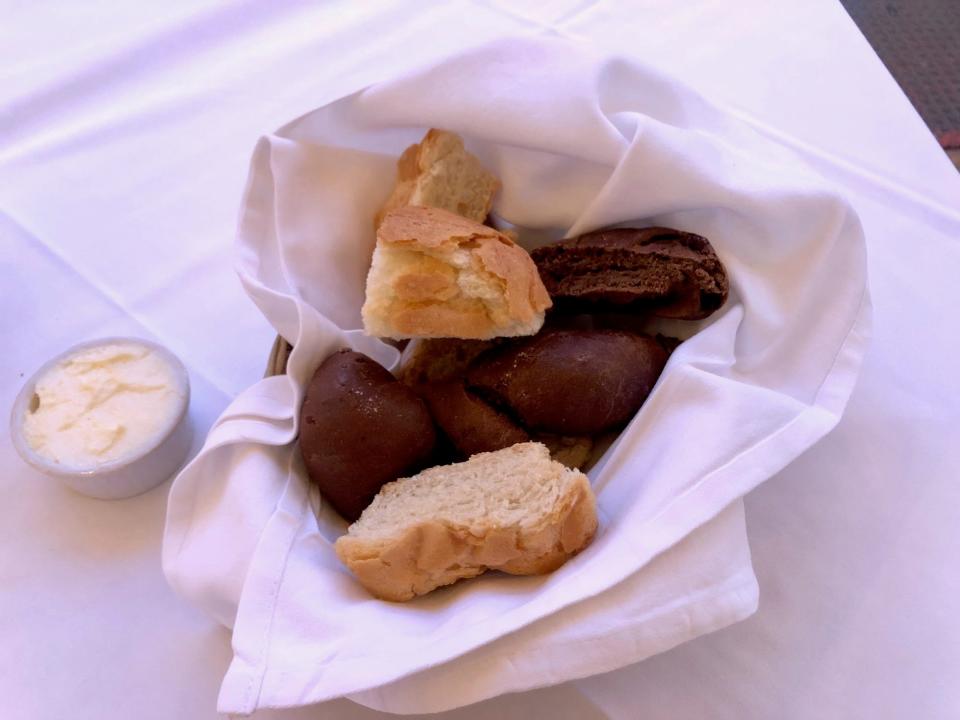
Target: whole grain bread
[[439, 172], [436, 274], [513, 510]]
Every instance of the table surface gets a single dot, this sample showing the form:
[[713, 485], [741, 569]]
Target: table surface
[[125, 133]]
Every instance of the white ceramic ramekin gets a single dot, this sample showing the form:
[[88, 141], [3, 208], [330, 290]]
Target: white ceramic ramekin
[[127, 476]]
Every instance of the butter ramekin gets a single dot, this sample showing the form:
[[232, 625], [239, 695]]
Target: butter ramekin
[[127, 476]]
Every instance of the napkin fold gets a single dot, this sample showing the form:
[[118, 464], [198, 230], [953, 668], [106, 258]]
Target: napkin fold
[[580, 141]]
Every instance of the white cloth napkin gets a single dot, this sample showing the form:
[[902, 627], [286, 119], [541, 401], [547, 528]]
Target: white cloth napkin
[[580, 142]]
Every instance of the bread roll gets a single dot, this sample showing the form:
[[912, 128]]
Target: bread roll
[[440, 173], [438, 359], [435, 274], [442, 362], [360, 428], [469, 423], [514, 510], [570, 382]]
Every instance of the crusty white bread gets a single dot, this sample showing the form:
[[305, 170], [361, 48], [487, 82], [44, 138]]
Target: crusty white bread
[[514, 510], [440, 173], [436, 274]]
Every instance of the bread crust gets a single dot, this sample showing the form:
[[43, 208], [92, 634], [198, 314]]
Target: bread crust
[[439, 172], [425, 299], [431, 554], [438, 359]]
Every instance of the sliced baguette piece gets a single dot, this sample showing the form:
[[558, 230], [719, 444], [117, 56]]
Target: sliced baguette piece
[[439, 172], [513, 510], [436, 274]]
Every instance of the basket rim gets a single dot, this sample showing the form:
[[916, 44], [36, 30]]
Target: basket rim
[[277, 360]]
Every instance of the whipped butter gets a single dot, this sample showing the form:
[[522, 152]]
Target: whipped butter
[[102, 404]]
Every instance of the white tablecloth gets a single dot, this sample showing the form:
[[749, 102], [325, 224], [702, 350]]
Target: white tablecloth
[[125, 133]]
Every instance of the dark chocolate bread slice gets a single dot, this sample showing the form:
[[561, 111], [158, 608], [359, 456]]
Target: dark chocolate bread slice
[[668, 273]]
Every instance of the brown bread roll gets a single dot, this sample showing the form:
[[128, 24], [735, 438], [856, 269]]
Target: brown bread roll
[[570, 382], [360, 428], [471, 424], [668, 273], [439, 359]]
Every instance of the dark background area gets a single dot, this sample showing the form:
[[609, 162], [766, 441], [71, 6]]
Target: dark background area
[[919, 42]]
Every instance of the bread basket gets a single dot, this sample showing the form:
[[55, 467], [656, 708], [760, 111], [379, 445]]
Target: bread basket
[[279, 353]]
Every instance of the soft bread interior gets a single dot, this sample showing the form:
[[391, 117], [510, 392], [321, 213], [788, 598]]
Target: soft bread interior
[[520, 488], [440, 173], [513, 510]]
